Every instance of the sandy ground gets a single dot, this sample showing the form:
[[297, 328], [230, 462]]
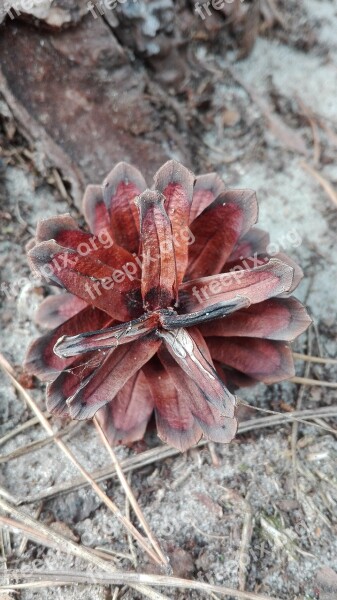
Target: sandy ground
[[197, 508]]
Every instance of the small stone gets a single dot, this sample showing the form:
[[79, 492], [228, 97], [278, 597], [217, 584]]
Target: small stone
[[230, 118]]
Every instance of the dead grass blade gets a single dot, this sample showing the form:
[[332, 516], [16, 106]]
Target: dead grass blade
[[24, 541], [130, 495], [102, 495], [247, 530], [37, 445], [48, 537], [42, 534], [20, 428], [5, 494], [324, 183], [121, 578], [288, 137], [246, 536], [5, 550], [315, 359], [294, 433], [162, 452], [129, 464], [314, 128], [316, 382], [276, 14], [288, 414]]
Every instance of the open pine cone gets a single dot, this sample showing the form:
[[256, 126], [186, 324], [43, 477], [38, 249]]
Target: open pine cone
[[172, 303]]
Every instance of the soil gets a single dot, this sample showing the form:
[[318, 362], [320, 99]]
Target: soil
[[252, 95]]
